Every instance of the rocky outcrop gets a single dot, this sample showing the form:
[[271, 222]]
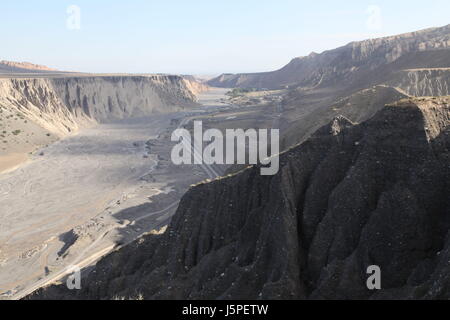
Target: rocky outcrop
[[64, 104], [358, 63], [350, 197]]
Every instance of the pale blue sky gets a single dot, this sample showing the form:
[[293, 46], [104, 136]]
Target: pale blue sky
[[199, 36]]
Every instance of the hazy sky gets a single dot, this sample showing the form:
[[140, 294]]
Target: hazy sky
[[197, 36]]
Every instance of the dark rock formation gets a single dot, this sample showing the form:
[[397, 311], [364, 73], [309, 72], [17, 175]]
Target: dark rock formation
[[350, 197]]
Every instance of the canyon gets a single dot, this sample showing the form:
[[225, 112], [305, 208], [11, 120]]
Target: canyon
[[363, 180]]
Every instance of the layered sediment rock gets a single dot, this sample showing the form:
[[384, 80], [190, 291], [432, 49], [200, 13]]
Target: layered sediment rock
[[20, 67]]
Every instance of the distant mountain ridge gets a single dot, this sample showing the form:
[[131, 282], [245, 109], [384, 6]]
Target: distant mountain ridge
[[20, 67], [353, 62]]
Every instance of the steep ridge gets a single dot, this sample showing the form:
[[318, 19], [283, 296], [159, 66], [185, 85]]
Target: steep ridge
[[423, 82], [350, 197], [365, 61]]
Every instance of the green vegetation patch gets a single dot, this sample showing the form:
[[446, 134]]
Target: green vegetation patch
[[237, 92]]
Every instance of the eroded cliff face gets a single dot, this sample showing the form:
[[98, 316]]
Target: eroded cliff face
[[350, 197], [13, 66], [64, 105]]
